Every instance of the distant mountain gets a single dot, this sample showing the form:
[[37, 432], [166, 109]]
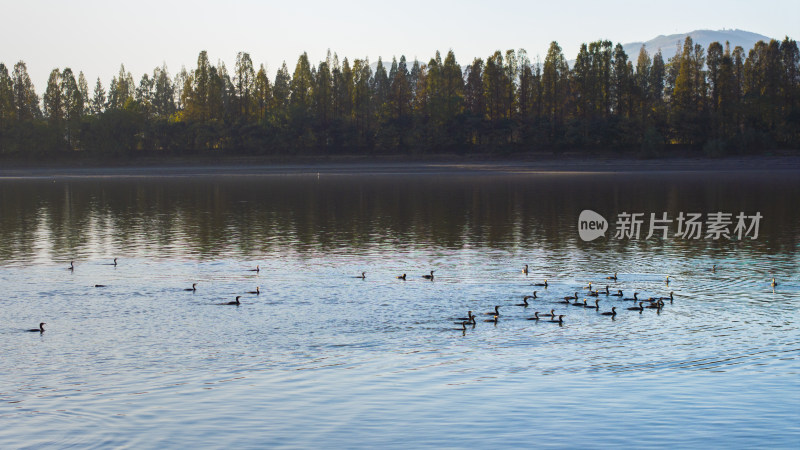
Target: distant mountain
[[670, 44]]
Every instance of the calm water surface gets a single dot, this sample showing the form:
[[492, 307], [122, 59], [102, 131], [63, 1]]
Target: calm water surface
[[324, 358]]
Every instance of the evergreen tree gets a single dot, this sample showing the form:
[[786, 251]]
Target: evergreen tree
[[179, 88], [163, 97], [585, 85], [526, 85], [602, 72], [53, 100], [790, 92], [714, 60], [725, 92], [198, 93], [494, 86], [362, 81], [555, 86], [7, 110], [98, 103], [381, 88], [401, 92], [763, 72], [301, 91], [223, 94], [642, 82], [73, 107], [217, 100], [621, 85], [419, 82], [83, 87], [323, 93], [122, 89], [25, 98], [473, 90], [453, 87], [688, 97], [244, 82], [511, 75], [281, 92], [342, 90], [656, 82], [263, 94], [145, 94]]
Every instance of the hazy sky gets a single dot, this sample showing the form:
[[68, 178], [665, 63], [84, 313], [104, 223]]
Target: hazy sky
[[97, 36]]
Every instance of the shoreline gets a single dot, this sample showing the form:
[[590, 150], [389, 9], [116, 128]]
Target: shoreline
[[436, 165]]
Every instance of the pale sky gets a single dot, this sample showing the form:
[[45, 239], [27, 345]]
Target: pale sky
[[96, 36]]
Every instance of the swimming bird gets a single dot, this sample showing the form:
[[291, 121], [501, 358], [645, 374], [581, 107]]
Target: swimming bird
[[257, 269], [525, 270], [542, 284], [40, 329], [534, 294], [551, 314], [524, 301], [496, 311], [402, 277], [463, 326], [612, 278], [112, 263], [469, 316], [71, 265], [656, 305], [637, 308], [618, 294], [714, 268], [613, 312], [578, 303], [774, 283], [115, 262], [575, 297], [607, 291], [257, 291], [235, 302], [589, 287], [429, 277], [363, 276], [193, 288], [667, 298], [667, 279], [535, 316], [635, 297], [596, 304], [493, 319], [594, 293], [560, 319], [469, 319], [99, 285]]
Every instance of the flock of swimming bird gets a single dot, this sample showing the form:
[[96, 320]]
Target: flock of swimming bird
[[236, 302], [656, 303]]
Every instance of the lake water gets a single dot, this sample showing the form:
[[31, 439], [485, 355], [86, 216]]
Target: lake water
[[321, 358]]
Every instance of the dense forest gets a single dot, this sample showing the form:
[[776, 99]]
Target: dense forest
[[717, 101]]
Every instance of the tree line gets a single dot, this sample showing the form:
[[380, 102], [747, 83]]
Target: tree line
[[717, 100]]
